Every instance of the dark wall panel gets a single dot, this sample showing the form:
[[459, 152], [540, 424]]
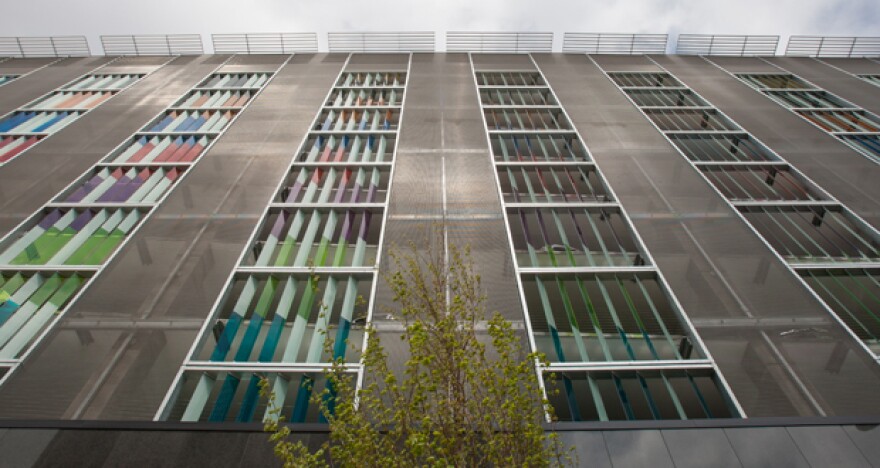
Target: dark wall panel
[[774, 445]]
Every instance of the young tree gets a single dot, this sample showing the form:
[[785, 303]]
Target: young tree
[[465, 396]]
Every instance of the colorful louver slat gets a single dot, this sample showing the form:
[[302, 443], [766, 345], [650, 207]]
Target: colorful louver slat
[[192, 121], [63, 236], [28, 303], [72, 100], [22, 129], [7, 78]]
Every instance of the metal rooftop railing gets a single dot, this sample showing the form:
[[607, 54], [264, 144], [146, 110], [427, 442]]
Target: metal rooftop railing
[[499, 42], [613, 43], [381, 41], [48, 46], [833, 46], [264, 43], [729, 45], [455, 41], [153, 44]]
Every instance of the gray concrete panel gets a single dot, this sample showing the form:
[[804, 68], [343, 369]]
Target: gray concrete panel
[[708, 447], [867, 439], [827, 446], [765, 446], [686, 447], [637, 449]]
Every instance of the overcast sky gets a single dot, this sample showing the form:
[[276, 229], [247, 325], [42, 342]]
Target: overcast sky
[[783, 17]]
